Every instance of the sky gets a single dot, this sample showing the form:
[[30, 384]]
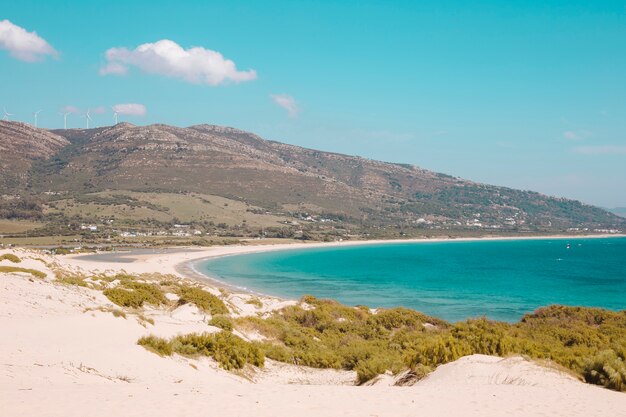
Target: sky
[[529, 95]]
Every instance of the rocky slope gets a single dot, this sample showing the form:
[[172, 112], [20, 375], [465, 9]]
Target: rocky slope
[[20, 146], [239, 165]]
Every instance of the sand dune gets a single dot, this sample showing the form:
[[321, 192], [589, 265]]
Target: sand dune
[[64, 354]]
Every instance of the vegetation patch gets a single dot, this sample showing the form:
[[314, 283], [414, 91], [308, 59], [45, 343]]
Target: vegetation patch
[[115, 311], [230, 351], [255, 302], [223, 322], [608, 369], [61, 251], [72, 280], [10, 257], [33, 272], [590, 342], [118, 313], [135, 294], [204, 300], [157, 345]]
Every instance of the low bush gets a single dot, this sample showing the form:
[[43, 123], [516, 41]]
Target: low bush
[[10, 257], [204, 300], [124, 298], [157, 345], [606, 369], [152, 293], [327, 334], [590, 342], [135, 294], [230, 351], [223, 322]]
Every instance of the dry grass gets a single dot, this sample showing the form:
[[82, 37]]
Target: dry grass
[[13, 269], [10, 257], [255, 302], [143, 320], [115, 311], [17, 226]]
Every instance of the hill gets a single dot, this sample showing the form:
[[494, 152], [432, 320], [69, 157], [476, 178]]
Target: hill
[[620, 211], [20, 146], [212, 175]]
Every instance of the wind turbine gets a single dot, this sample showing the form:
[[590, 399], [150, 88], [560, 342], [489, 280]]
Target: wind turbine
[[87, 118], [65, 118], [6, 114], [36, 114], [115, 113]]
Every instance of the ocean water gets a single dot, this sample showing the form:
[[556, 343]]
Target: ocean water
[[452, 280]]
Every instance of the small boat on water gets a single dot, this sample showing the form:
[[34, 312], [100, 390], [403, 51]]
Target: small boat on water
[[568, 246]]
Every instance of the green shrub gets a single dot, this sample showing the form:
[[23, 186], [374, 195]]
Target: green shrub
[[10, 257], [151, 293], [230, 351], [606, 369], [135, 294], [33, 272], [157, 345], [330, 335], [124, 298], [204, 300], [370, 368], [588, 341], [223, 322]]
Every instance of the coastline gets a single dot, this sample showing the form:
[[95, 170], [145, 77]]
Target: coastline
[[188, 267], [182, 261]]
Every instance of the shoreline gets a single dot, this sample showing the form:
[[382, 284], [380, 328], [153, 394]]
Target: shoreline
[[188, 267], [182, 261]]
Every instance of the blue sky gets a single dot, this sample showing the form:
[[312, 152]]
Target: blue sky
[[530, 96]]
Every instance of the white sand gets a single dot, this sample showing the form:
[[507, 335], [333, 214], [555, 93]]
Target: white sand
[[60, 356]]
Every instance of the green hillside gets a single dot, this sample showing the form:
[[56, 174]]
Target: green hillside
[[225, 181]]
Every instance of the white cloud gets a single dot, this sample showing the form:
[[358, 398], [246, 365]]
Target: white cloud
[[114, 68], [286, 102], [24, 45], [98, 110], [70, 109], [195, 65], [601, 150], [131, 109]]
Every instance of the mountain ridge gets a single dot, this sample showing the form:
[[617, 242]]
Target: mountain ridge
[[275, 178]]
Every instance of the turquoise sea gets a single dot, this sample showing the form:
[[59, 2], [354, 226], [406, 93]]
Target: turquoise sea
[[452, 280]]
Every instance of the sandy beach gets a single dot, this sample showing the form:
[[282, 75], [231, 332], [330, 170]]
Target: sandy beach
[[64, 354]]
